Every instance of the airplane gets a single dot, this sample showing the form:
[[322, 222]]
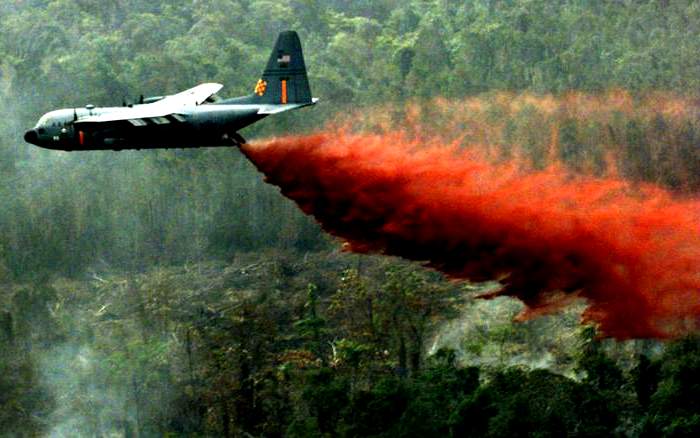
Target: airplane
[[193, 118]]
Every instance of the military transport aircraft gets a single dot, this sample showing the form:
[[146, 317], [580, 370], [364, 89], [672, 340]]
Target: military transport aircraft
[[192, 118]]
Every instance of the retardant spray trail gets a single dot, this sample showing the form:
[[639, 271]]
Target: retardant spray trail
[[634, 254]]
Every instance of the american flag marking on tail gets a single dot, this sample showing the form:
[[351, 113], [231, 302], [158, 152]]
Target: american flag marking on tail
[[284, 60]]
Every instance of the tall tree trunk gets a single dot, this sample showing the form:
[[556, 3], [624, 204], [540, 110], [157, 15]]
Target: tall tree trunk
[[225, 420], [137, 402], [188, 348], [402, 357], [370, 318], [416, 355], [245, 399], [6, 332]]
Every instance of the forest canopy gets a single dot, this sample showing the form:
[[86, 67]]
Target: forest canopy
[[68, 52], [174, 293]]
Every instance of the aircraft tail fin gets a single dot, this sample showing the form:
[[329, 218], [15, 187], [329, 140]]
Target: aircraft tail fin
[[284, 80]]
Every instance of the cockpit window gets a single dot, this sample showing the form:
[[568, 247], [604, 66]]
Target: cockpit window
[[55, 118], [44, 120]]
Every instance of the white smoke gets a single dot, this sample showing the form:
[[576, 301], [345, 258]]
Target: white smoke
[[86, 404], [485, 334]]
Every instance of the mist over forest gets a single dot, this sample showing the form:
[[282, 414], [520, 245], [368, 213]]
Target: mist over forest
[[176, 293]]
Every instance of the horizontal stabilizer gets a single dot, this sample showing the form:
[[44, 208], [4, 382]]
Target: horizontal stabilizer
[[280, 108]]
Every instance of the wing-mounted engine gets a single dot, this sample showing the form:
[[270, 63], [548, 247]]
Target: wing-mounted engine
[[143, 100], [152, 99]]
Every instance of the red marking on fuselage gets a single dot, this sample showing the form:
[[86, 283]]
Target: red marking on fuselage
[[284, 91]]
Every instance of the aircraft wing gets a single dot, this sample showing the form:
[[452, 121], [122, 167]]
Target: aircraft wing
[[168, 105], [193, 96]]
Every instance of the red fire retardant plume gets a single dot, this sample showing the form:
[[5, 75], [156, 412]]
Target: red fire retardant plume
[[550, 237]]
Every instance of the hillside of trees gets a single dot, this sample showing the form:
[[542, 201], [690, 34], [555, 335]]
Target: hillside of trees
[[174, 293]]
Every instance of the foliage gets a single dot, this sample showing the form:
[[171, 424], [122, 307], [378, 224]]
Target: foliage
[[673, 409], [183, 206], [520, 403], [173, 293], [253, 347]]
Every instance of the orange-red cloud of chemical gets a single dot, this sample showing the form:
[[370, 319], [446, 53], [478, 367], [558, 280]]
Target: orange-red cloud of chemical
[[633, 253]]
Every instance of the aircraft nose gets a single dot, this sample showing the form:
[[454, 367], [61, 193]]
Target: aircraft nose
[[31, 137]]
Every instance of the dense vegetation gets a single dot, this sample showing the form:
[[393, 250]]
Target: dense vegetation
[[173, 292]]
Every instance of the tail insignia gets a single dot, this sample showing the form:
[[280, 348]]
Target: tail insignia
[[260, 87], [283, 60]]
